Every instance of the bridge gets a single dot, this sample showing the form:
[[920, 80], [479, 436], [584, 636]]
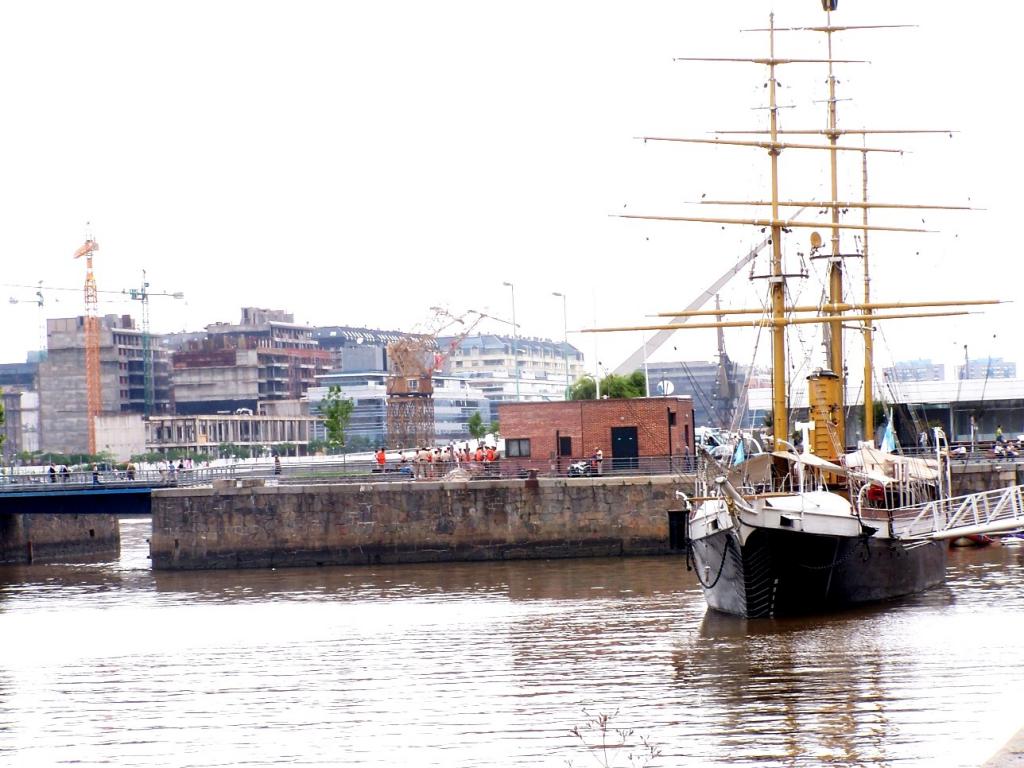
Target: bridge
[[78, 493]]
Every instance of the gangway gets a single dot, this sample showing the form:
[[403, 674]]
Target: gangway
[[997, 511]]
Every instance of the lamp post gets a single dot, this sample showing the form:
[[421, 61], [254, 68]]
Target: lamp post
[[515, 337], [565, 341]]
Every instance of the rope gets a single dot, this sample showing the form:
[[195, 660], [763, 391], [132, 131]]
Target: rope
[[691, 563]]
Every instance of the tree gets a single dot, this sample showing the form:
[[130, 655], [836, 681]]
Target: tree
[[476, 426], [613, 387], [584, 389], [617, 387], [337, 411]]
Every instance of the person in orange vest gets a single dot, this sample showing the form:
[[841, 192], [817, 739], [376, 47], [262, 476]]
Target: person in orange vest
[[490, 453], [381, 459], [479, 453]]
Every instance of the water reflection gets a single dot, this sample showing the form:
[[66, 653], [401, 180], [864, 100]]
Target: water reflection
[[490, 664]]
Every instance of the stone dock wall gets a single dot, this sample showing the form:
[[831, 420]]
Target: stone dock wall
[[975, 478], [50, 538], [402, 522], [247, 525]]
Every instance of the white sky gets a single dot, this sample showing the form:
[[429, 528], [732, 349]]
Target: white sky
[[357, 163]]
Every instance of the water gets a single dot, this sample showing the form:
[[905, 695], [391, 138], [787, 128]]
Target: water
[[492, 664]]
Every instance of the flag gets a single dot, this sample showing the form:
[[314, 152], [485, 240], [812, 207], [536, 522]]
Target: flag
[[888, 438], [739, 456]]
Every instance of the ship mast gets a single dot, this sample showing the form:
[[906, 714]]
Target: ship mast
[[829, 402], [869, 339], [835, 271], [780, 410]]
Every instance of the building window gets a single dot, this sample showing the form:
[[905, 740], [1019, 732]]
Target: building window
[[414, 384], [517, 448], [564, 446]]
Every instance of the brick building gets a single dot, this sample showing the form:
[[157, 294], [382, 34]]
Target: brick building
[[624, 429]]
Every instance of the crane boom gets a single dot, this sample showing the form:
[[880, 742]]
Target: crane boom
[[635, 360], [93, 395]]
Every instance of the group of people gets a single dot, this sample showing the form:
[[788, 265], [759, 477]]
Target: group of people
[[1003, 448], [52, 473], [427, 462], [65, 474]]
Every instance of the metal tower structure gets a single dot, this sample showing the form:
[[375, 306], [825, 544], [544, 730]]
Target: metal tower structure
[[410, 387], [142, 295], [92, 343]]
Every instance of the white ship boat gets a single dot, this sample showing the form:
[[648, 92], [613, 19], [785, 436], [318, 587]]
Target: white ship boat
[[819, 530]]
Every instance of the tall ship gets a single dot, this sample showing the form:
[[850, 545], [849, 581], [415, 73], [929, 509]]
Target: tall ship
[[811, 525]]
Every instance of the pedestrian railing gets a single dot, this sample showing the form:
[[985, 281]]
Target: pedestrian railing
[[343, 470], [42, 482], [994, 511], [340, 471]]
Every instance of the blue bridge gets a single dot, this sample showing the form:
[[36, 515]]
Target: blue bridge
[[81, 493]]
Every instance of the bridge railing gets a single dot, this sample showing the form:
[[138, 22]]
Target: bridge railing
[[79, 480], [991, 511]]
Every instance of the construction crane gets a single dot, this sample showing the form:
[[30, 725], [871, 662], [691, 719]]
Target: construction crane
[[92, 342], [39, 302], [142, 294], [410, 387]]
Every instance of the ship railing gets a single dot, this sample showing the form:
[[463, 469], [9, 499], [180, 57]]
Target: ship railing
[[995, 511]]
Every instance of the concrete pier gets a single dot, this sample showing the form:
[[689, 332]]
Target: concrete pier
[[48, 538], [258, 527]]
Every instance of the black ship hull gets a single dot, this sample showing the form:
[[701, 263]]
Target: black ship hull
[[785, 573]]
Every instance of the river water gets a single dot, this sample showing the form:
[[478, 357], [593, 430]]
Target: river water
[[493, 664]]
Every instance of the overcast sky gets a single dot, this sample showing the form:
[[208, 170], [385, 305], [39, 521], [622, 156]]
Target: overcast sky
[[358, 163]]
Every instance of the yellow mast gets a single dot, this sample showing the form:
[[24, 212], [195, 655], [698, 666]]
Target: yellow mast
[[780, 405], [869, 339], [835, 272], [836, 310]]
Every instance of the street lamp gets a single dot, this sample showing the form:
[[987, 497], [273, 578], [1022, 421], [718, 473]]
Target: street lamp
[[515, 337], [565, 341]]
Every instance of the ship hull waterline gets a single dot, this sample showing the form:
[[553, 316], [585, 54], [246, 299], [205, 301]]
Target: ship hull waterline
[[788, 573]]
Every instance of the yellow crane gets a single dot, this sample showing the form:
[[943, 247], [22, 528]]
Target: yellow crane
[[92, 342]]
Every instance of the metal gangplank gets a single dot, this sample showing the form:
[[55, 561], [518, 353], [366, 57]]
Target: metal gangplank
[[998, 511]]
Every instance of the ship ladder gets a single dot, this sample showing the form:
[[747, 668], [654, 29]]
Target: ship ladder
[[988, 512]]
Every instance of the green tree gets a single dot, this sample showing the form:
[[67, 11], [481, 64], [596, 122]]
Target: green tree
[[584, 389], [495, 428], [613, 386], [476, 426], [336, 411]]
